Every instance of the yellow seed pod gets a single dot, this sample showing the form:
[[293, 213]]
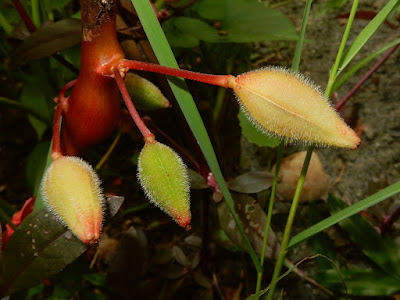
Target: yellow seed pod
[[289, 106], [145, 95], [164, 178], [71, 190]]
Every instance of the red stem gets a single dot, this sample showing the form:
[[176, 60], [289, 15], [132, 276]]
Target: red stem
[[220, 80], [56, 148], [147, 135], [339, 105], [24, 15], [65, 88]]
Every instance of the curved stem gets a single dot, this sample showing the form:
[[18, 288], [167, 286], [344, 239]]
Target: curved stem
[[220, 80], [147, 134], [289, 224], [109, 151], [56, 147]]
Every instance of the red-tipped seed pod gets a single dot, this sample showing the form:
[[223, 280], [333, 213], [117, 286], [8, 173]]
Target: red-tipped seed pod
[[71, 190], [289, 106]]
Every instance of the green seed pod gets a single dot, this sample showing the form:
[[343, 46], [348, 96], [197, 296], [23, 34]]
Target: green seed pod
[[164, 178], [71, 190], [287, 105], [145, 95]]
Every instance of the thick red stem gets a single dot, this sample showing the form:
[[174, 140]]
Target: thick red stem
[[220, 80], [56, 148], [147, 135]]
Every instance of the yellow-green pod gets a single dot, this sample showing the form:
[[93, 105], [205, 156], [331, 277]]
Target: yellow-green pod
[[287, 105], [164, 178], [71, 190], [145, 95]]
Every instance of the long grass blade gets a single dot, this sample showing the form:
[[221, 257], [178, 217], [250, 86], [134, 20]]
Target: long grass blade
[[166, 57], [345, 213], [366, 34]]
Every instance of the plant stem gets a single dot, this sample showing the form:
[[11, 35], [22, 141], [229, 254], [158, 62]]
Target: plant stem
[[35, 13], [289, 224], [24, 15], [269, 215], [220, 80], [109, 151], [341, 102], [56, 147], [147, 134], [334, 70], [299, 45]]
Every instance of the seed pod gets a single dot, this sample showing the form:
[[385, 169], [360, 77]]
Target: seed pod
[[71, 190], [145, 95], [287, 105], [164, 178]]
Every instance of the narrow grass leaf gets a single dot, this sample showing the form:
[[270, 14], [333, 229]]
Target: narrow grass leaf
[[342, 79], [366, 34], [381, 250], [345, 213], [166, 57]]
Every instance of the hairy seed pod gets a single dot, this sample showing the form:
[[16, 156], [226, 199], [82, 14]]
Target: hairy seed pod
[[145, 95], [287, 105], [164, 178], [71, 190]]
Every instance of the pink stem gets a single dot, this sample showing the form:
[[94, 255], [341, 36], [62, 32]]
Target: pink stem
[[56, 148], [339, 105], [147, 135], [220, 80]]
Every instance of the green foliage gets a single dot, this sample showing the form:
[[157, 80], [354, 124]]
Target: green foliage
[[259, 23], [255, 135]]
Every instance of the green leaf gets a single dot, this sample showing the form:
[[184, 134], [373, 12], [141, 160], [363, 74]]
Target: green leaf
[[177, 38], [249, 21], [382, 250], [211, 9], [345, 213], [254, 135], [34, 97], [50, 39], [196, 28], [35, 166], [366, 34], [40, 247], [361, 282], [166, 57], [362, 63]]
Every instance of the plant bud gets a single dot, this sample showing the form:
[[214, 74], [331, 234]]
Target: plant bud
[[287, 105], [145, 95], [164, 178], [72, 191]]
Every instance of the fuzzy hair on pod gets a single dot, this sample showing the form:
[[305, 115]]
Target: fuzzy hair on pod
[[165, 181], [288, 106], [71, 190]]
